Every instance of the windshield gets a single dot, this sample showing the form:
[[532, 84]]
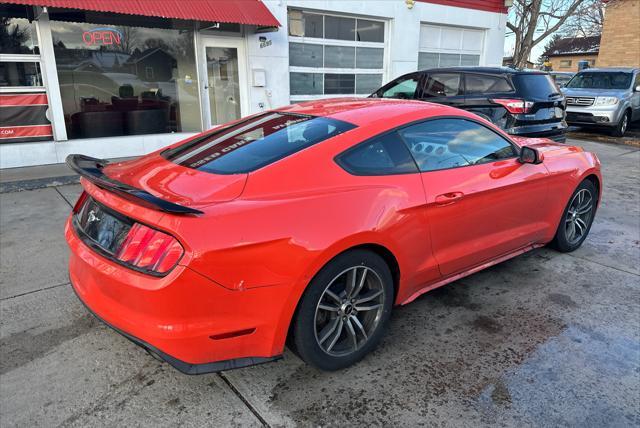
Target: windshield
[[254, 143], [600, 80]]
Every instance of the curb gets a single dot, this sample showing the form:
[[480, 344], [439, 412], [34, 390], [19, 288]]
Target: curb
[[38, 183]]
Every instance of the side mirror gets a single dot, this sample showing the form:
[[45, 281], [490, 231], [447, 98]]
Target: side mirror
[[637, 88], [529, 155]]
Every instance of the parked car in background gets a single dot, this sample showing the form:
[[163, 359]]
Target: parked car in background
[[604, 97], [526, 103], [561, 77]]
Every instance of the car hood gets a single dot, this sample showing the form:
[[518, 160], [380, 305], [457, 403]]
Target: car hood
[[175, 183], [593, 92]]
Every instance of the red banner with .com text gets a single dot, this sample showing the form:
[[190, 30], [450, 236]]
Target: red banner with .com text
[[23, 118]]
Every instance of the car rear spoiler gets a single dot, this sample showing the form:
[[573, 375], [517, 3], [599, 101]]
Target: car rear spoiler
[[91, 169]]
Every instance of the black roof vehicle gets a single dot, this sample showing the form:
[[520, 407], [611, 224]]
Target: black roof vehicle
[[522, 102]]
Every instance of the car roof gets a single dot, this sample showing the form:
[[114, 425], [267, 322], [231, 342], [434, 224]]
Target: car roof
[[610, 69], [366, 111], [494, 70]]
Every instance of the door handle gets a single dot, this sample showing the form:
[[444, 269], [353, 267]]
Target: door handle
[[449, 198]]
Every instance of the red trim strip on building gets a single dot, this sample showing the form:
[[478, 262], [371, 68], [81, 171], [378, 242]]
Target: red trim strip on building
[[8, 132], [486, 5], [251, 12], [11, 100]]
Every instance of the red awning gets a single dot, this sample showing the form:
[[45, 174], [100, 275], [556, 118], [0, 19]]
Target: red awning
[[252, 12]]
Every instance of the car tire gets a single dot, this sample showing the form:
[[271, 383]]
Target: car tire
[[623, 125], [577, 218], [312, 336]]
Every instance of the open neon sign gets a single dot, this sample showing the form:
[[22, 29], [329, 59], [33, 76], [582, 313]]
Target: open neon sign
[[102, 37]]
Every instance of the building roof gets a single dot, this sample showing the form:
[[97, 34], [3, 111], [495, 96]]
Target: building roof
[[611, 69], [251, 12], [575, 46]]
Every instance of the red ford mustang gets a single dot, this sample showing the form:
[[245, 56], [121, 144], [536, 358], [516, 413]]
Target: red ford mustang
[[306, 225]]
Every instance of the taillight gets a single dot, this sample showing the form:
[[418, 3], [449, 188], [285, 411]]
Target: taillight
[[80, 202], [513, 105], [149, 249]]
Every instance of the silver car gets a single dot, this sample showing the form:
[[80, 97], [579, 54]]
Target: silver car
[[604, 97]]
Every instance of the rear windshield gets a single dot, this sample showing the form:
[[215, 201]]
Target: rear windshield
[[536, 85], [600, 80], [254, 143]]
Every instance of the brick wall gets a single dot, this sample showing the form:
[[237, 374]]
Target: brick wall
[[620, 43], [558, 62]]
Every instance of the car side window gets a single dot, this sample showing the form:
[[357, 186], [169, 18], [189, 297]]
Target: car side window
[[480, 84], [441, 85], [383, 155], [451, 143], [404, 89]]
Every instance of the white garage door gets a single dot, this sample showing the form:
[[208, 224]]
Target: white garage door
[[446, 46]]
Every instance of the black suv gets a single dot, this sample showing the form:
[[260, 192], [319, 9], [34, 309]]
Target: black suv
[[522, 102]]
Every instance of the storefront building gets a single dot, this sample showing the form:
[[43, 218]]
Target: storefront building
[[119, 79]]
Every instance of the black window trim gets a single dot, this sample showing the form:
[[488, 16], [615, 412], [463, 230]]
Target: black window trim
[[499, 76], [337, 160], [384, 88], [425, 76]]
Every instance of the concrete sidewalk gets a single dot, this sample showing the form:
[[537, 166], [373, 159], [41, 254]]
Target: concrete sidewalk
[[38, 177], [544, 339]]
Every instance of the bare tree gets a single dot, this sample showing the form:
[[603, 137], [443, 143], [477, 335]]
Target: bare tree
[[129, 39], [532, 21], [587, 20]]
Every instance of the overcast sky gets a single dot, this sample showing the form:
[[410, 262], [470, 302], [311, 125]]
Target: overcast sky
[[537, 50], [510, 41]]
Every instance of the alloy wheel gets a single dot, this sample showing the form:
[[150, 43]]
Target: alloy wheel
[[578, 216], [349, 311], [625, 123]]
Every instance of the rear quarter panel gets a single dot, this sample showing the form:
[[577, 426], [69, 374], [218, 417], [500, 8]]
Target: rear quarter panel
[[300, 212]]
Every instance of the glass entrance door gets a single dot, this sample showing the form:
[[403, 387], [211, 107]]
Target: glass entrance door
[[225, 86]]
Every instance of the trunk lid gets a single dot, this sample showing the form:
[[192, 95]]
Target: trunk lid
[[174, 183]]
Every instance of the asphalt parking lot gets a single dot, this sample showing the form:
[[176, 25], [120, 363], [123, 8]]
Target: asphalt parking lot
[[544, 339]]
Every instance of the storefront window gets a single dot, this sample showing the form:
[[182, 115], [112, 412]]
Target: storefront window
[[124, 80], [20, 74], [23, 99], [332, 55]]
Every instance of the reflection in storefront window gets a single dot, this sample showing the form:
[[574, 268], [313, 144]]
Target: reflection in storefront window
[[17, 74], [17, 36], [121, 80]]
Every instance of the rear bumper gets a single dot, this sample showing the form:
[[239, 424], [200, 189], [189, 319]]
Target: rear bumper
[[183, 366], [555, 131], [558, 137], [183, 318]]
